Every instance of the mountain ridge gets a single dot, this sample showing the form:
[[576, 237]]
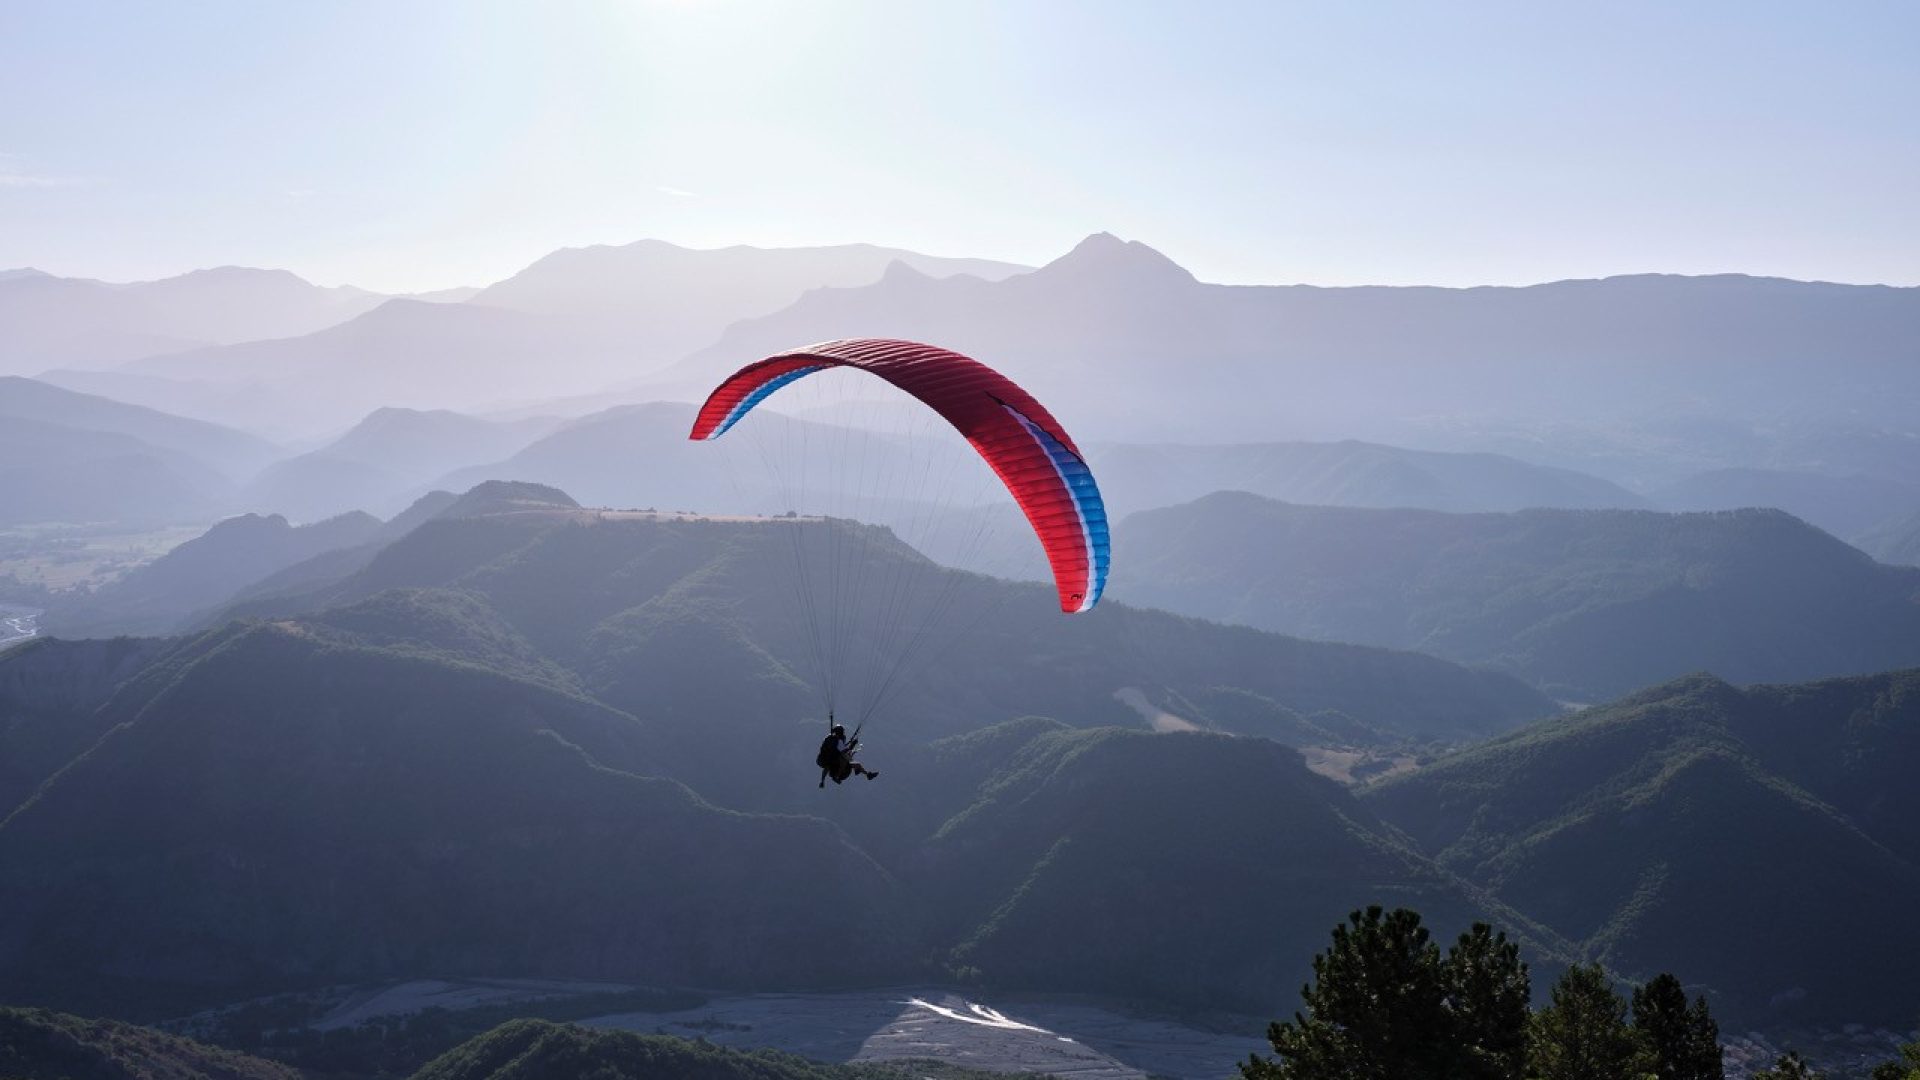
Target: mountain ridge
[[1611, 823], [1589, 603], [54, 322], [1399, 358], [299, 799]]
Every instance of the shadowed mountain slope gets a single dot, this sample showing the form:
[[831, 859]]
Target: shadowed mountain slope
[[415, 766], [439, 755], [1701, 828], [536, 1049], [1194, 867], [334, 563], [601, 592], [283, 807], [36, 1044], [207, 571], [265, 794], [50, 697], [421, 758], [1584, 603]]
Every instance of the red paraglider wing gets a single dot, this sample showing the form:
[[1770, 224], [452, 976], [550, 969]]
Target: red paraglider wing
[[1016, 435]]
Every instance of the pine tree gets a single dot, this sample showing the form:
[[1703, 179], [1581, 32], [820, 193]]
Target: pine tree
[[1488, 998], [1376, 1009], [1683, 1040], [1791, 1066], [1583, 1033], [1906, 1067]]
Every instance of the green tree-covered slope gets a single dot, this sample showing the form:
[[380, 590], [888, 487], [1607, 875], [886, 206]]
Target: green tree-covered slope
[[290, 804], [1761, 840], [51, 692], [1193, 867], [279, 807], [36, 1044], [537, 1049], [596, 593]]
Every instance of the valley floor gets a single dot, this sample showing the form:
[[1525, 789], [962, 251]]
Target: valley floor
[[1078, 1038], [1070, 1038], [1020, 1035], [17, 624], [72, 556]]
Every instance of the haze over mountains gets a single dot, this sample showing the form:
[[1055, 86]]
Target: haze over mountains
[[382, 463], [1701, 372], [233, 453], [1681, 393], [614, 707], [573, 322], [1118, 325], [1585, 604], [1347, 473], [1898, 542], [1853, 506], [53, 322], [395, 455], [689, 296], [81, 458], [474, 672]]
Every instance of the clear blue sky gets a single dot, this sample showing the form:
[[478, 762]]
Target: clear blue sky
[[410, 144]]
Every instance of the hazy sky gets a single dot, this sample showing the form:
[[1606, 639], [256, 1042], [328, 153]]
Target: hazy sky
[[413, 145]]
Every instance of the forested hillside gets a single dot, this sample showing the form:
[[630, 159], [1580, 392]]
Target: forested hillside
[[1705, 828], [518, 738], [38, 1044]]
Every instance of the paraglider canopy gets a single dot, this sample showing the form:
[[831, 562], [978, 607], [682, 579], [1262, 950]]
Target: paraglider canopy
[[1027, 449]]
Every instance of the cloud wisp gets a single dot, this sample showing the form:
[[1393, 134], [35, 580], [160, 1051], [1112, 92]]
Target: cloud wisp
[[17, 173]]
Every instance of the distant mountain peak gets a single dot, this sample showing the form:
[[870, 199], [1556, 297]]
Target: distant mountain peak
[[408, 314], [19, 272], [645, 243], [898, 270], [509, 496], [1106, 256], [245, 524], [387, 413], [217, 272], [592, 254], [391, 416]]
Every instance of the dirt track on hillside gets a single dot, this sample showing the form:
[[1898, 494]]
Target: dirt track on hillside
[[1028, 1035]]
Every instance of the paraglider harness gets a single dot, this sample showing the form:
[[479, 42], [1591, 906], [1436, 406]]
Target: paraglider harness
[[833, 762]]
